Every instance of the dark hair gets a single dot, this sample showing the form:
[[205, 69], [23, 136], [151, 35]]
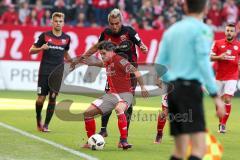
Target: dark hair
[[106, 45], [231, 25], [196, 6]]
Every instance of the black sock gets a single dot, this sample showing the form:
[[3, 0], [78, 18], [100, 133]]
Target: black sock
[[38, 108], [174, 158], [128, 114], [105, 119], [193, 158], [49, 113]]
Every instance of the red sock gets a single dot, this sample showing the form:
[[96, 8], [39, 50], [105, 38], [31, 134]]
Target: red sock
[[122, 125], [90, 126], [161, 122], [228, 110]]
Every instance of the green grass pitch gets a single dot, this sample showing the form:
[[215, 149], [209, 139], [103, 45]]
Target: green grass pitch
[[17, 110]]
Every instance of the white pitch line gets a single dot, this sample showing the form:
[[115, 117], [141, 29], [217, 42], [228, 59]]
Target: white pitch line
[[59, 146]]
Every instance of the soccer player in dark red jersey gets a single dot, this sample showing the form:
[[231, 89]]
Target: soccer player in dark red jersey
[[55, 45], [120, 95], [225, 53], [126, 38]]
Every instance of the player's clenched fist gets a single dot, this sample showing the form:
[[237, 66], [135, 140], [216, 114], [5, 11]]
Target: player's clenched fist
[[144, 48], [223, 56]]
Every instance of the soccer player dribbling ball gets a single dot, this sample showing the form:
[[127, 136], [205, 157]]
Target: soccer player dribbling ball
[[120, 96], [119, 34], [225, 53], [55, 45]]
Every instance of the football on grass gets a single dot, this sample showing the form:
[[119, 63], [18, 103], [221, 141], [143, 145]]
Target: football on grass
[[96, 142]]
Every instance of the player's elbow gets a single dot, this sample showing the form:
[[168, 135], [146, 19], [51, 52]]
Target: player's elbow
[[32, 50]]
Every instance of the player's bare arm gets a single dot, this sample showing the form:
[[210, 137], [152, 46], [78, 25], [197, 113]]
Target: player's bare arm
[[34, 49], [67, 57], [138, 75], [143, 48], [218, 58], [89, 52], [91, 61]]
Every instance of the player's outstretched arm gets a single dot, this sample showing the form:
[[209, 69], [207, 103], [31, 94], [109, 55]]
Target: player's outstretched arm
[[34, 49], [92, 61], [89, 52]]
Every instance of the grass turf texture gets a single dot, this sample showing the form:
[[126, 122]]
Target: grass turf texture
[[72, 134]]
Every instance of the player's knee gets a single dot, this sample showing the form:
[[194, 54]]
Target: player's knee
[[52, 97], [163, 115], [91, 112], [86, 114], [40, 100], [120, 108], [227, 99]]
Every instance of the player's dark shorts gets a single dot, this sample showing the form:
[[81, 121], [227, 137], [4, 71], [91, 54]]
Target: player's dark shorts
[[43, 87], [185, 102]]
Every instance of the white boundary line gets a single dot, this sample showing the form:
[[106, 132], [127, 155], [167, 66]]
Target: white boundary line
[[59, 146]]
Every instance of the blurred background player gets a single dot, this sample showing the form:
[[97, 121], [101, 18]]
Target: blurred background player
[[225, 53], [117, 33], [162, 118], [55, 45], [188, 68], [120, 95]]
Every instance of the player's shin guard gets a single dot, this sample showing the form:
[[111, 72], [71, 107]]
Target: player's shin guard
[[122, 125], [49, 114], [128, 114], [38, 107], [161, 122], [228, 110], [104, 121], [90, 126]]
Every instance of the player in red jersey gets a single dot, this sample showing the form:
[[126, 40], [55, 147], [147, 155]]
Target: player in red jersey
[[225, 53], [126, 38], [119, 97], [162, 116]]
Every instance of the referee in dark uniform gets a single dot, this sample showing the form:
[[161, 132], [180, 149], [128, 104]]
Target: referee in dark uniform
[[55, 45], [188, 63], [125, 38]]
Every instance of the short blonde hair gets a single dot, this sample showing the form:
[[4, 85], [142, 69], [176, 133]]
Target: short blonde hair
[[115, 13], [58, 14]]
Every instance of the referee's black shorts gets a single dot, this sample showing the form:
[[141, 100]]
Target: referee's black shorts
[[186, 114]]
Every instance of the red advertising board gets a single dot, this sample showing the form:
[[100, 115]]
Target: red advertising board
[[15, 41]]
